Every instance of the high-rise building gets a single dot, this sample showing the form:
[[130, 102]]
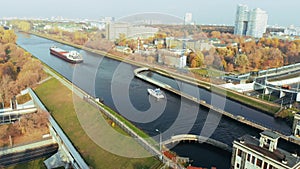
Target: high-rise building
[[257, 24], [241, 20], [188, 18], [250, 22]]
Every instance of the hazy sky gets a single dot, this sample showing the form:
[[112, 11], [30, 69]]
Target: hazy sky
[[282, 12]]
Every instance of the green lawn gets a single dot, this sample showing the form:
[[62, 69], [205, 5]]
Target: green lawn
[[23, 98], [59, 101], [269, 108], [210, 72]]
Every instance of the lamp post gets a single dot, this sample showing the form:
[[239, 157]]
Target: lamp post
[[159, 139]]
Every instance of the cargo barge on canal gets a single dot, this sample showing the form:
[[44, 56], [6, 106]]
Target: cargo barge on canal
[[69, 56]]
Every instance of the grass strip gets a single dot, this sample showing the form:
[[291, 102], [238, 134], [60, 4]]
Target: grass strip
[[59, 101]]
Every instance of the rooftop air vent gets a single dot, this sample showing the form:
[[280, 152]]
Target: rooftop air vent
[[284, 160]]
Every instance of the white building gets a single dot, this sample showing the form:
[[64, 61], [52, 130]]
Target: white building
[[173, 57], [188, 18], [252, 153], [257, 24], [97, 24], [241, 20], [250, 22], [200, 45], [296, 125], [292, 31], [108, 19], [113, 31]]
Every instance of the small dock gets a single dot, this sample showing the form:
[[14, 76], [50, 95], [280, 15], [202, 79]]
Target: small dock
[[204, 104]]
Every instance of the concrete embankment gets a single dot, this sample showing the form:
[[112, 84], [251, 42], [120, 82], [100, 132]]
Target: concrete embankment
[[267, 107], [238, 118], [99, 52]]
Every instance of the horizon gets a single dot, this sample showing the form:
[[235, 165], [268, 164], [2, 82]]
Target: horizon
[[204, 12]]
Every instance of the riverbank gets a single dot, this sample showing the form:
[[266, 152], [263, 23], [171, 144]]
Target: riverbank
[[266, 107], [262, 105]]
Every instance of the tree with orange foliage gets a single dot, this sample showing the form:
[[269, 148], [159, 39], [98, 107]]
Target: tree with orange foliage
[[215, 34]]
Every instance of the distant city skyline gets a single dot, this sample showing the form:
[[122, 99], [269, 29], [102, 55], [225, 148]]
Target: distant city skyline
[[282, 13]]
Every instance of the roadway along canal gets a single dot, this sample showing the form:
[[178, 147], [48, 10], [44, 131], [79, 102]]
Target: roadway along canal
[[114, 81]]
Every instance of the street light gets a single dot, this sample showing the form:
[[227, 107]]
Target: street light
[[159, 139]]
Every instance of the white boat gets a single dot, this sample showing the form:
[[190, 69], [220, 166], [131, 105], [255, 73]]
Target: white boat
[[156, 93]]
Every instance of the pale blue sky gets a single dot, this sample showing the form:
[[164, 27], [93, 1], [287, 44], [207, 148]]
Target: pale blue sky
[[282, 12]]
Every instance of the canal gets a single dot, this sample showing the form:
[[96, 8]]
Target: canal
[[114, 82]]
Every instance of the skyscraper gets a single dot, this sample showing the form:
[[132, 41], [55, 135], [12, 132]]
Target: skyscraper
[[250, 22], [241, 20], [188, 18], [257, 24]]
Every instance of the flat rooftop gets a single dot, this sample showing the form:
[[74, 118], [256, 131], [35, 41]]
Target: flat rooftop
[[278, 154]]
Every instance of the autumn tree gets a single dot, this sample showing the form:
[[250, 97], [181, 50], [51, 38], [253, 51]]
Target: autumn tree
[[215, 34], [229, 67], [195, 59], [30, 74], [242, 61], [160, 35], [79, 38], [24, 26], [121, 41], [8, 37], [5, 92], [18, 69]]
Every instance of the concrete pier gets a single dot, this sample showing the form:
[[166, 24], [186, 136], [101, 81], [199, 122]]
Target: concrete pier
[[204, 104]]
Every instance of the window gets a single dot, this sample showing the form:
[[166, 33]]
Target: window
[[259, 162], [237, 165], [265, 165], [271, 167], [239, 153], [248, 157], [253, 160]]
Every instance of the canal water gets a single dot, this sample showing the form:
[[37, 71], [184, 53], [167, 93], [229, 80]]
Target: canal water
[[228, 105], [114, 82]]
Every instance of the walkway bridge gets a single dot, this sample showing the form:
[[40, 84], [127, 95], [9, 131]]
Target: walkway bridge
[[196, 138], [269, 88]]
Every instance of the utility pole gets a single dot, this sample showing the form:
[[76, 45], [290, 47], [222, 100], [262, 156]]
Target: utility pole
[[159, 139], [138, 49]]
